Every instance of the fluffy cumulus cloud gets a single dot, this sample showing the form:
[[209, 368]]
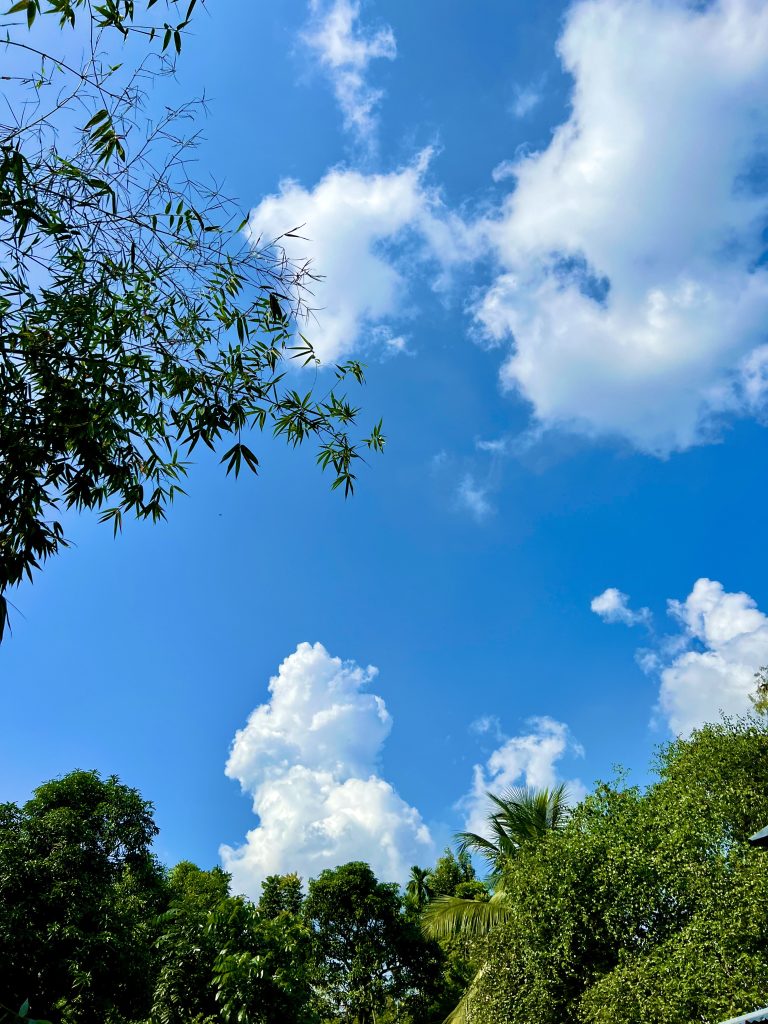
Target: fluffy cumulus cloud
[[352, 223], [345, 51], [529, 759], [630, 282], [723, 641], [613, 606], [309, 758], [708, 666]]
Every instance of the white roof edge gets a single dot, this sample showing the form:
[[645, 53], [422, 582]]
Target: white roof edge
[[756, 1015]]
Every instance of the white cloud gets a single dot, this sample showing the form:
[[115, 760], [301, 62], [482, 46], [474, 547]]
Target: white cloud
[[613, 606], [345, 51], [495, 446], [527, 98], [396, 344], [308, 758], [710, 667], [473, 497], [390, 344], [503, 170], [529, 759], [486, 724], [628, 247], [628, 280], [353, 222]]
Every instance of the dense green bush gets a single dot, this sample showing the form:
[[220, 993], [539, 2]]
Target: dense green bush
[[647, 907]]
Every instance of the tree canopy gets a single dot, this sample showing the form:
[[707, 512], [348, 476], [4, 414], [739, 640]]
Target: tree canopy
[[646, 907], [369, 953], [222, 960], [93, 929], [79, 893], [136, 319]]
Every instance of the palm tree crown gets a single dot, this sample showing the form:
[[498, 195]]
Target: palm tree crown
[[520, 816], [418, 888]]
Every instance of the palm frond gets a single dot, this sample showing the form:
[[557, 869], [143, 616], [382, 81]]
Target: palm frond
[[471, 841], [448, 915], [418, 887], [525, 813], [514, 796], [519, 816], [561, 805]]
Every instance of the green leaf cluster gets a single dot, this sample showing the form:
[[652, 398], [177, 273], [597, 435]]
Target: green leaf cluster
[[222, 960], [80, 891], [137, 320], [371, 959], [648, 906]]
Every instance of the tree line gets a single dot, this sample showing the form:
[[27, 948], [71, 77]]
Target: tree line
[[636, 906], [93, 928]]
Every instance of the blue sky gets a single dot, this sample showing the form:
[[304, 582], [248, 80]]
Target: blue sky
[[542, 227]]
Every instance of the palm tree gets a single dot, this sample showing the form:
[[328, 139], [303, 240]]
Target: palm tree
[[522, 816], [418, 888]]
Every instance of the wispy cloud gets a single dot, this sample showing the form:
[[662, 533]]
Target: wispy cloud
[[345, 50], [503, 170], [389, 343], [613, 606], [526, 99], [487, 725], [474, 497], [494, 446]]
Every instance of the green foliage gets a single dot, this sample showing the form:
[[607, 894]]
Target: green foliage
[[94, 931], [646, 907], [136, 321], [452, 879], [190, 887], [519, 820], [450, 872], [474, 890], [8, 1016], [368, 953], [760, 698], [418, 891], [281, 894], [268, 980], [221, 960], [519, 817], [79, 894], [643, 908], [445, 916]]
